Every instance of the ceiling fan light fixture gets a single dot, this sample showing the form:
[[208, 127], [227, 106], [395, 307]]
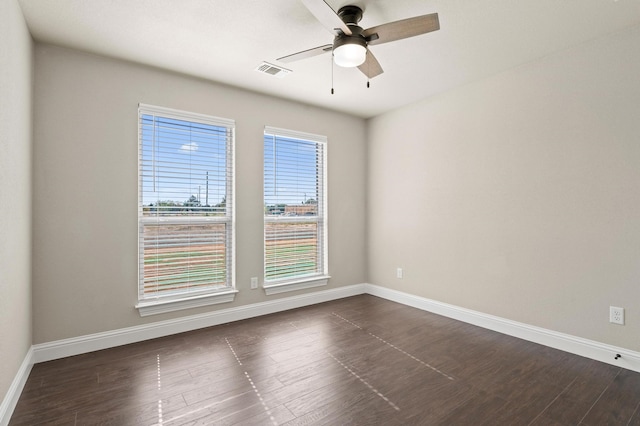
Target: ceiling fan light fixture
[[349, 51]]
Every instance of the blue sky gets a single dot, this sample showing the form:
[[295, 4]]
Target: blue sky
[[181, 159], [291, 168], [185, 160]]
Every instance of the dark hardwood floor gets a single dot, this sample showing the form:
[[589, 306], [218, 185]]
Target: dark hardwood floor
[[356, 361]]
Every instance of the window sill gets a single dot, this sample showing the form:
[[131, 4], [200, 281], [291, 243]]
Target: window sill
[[300, 284], [163, 306]]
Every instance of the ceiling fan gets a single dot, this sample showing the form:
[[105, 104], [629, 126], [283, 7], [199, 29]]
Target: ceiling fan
[[351, 43]]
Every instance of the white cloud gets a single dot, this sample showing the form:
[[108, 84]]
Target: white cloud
[[191, 146]]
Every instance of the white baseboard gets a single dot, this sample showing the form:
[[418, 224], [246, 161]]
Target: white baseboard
[[93, 342], [13, 394], [576, 345]]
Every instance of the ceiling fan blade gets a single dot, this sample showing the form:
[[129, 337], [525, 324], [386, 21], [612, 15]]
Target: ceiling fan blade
[[404, 28], [327, 16], [371, 67], [306, 53]]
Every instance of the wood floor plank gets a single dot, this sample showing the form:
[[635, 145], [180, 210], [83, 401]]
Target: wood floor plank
[[618, 402], [581, 394], [635, 418], [226, 405], [331, 395], [433, 400], [475, 410], [49, 420], [122, 413], [322, 406], [323, 378], [276, 415], [546, 421]]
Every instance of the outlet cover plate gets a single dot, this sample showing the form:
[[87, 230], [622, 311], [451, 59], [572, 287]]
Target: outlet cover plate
[[616, 315]]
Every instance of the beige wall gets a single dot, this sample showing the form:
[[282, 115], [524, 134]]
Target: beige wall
[[85, 186], [519, 196], [16, 53]]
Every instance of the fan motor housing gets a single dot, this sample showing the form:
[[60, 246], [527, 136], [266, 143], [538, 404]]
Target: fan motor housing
[[350, 15], [350, 39]]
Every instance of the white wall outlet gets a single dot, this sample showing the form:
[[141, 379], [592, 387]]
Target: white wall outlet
[[399, 273], [616, 315], [254, 283]]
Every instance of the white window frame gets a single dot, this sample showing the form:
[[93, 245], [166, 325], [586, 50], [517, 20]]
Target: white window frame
[[321, 276], [161, 303]]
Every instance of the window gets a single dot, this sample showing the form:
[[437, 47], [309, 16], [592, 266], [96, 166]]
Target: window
[[185, 210], [295, 210]]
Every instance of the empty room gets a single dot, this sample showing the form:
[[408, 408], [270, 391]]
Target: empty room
[[310, 212]]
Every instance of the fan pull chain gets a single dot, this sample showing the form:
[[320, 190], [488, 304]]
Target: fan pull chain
[[368, 70], [332, 65]]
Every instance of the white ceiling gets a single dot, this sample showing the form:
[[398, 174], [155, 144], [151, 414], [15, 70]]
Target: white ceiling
[[224, 41]]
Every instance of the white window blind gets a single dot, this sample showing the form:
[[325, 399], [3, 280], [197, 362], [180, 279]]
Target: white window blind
[[295, 205], [185, 206]]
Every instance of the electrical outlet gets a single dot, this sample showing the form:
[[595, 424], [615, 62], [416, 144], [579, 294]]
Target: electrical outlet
[[399, 273], [616, 315], [254, 283]]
